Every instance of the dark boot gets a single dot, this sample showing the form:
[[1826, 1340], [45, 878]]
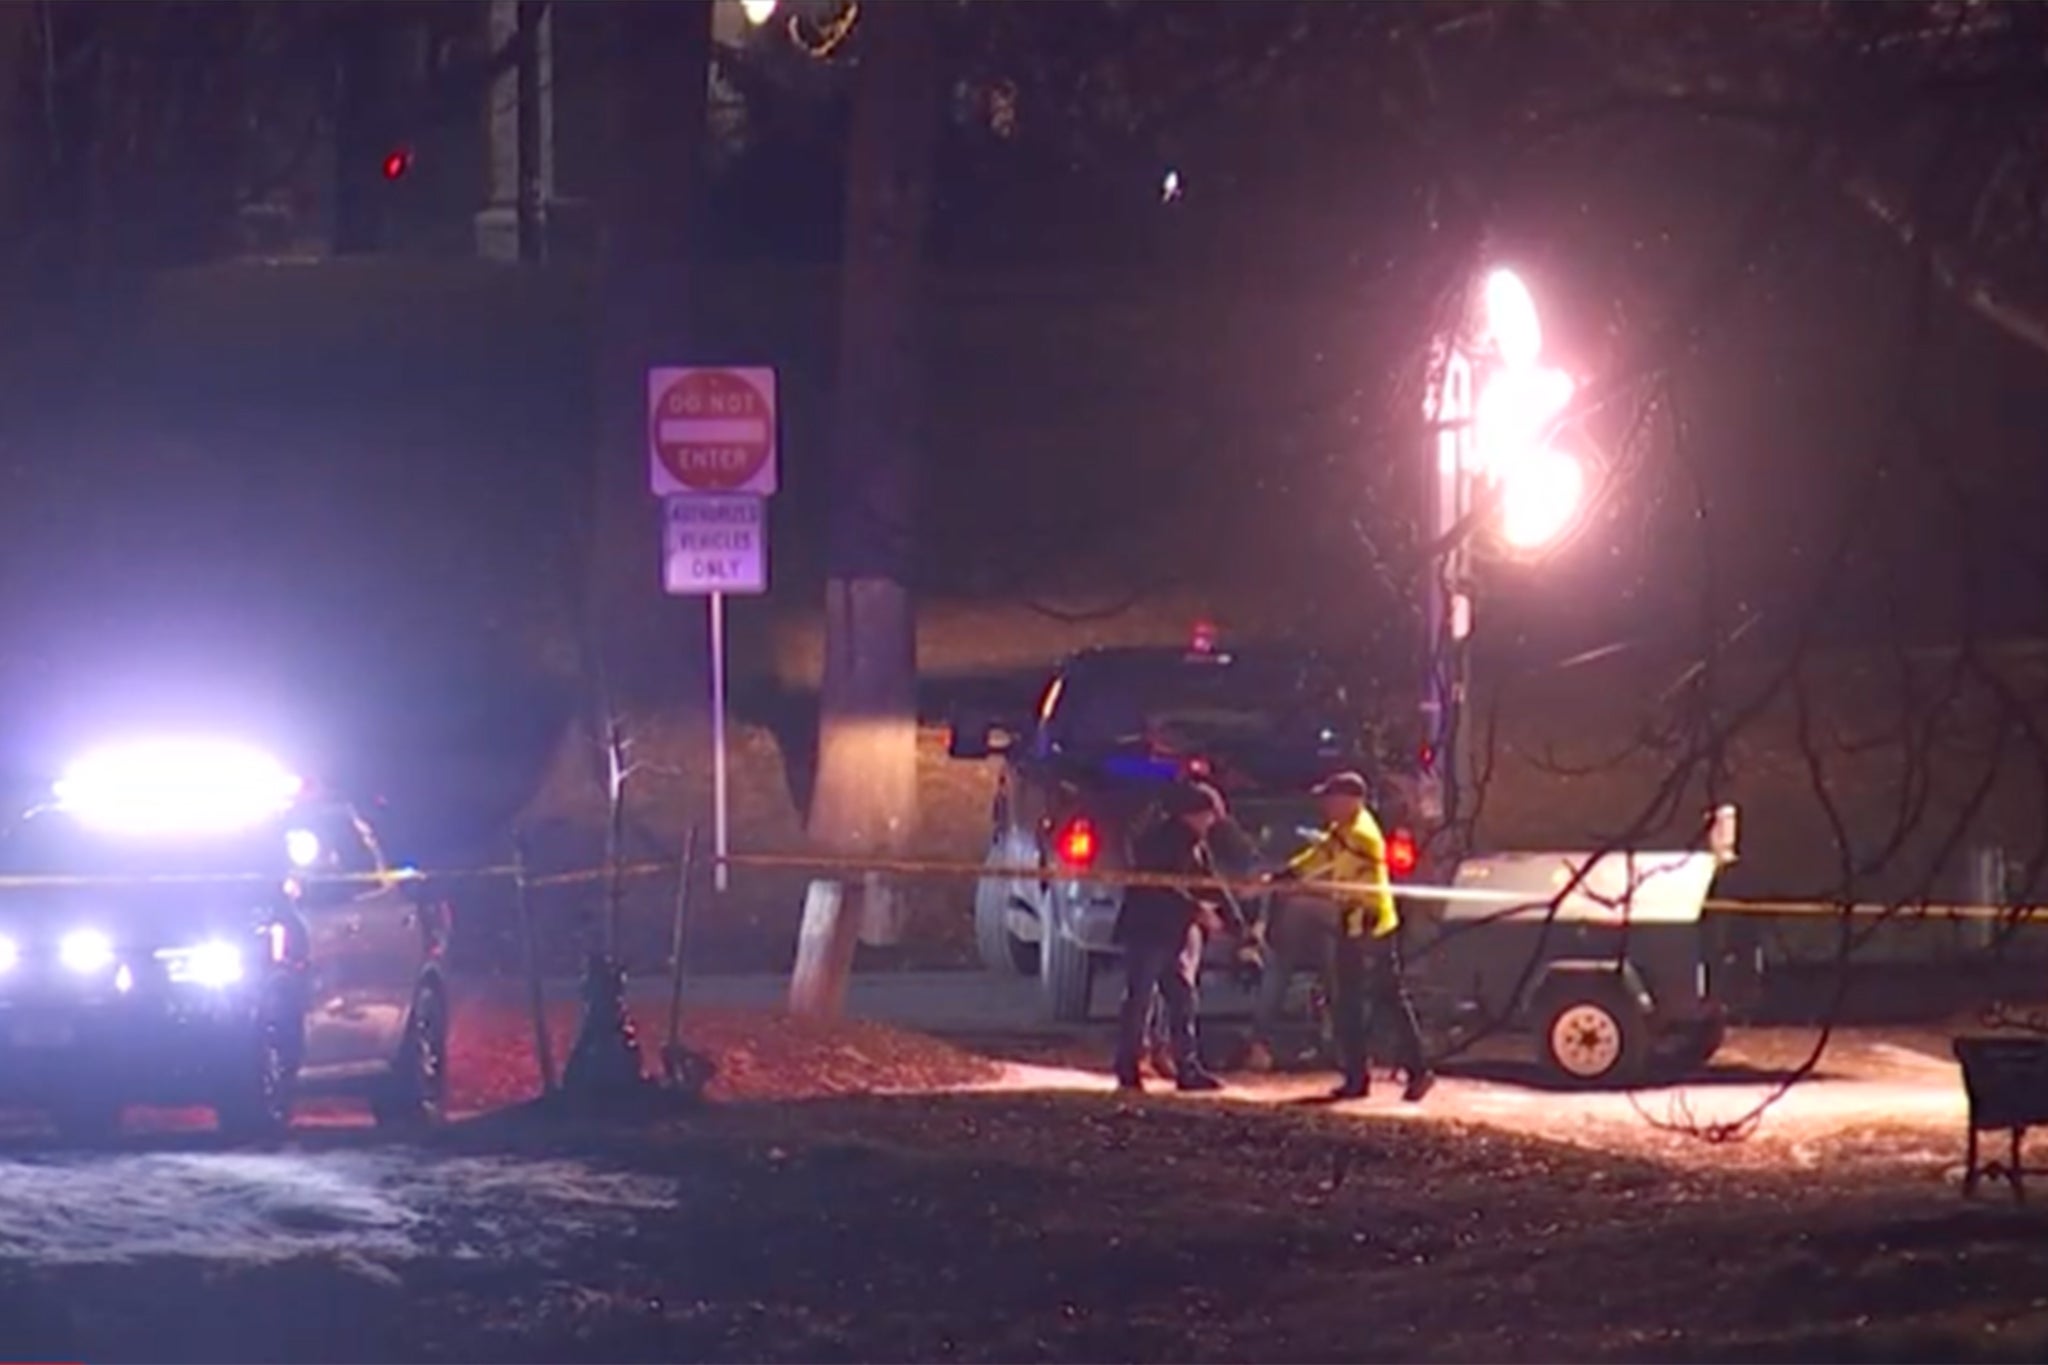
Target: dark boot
[[1194, 1081], [1353, 1087], [1420, 1083]]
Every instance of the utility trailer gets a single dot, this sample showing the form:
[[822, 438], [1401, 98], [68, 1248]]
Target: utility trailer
[[1603, 962]]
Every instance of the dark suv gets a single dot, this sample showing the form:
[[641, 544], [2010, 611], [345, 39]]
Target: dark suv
[[1111, 727]]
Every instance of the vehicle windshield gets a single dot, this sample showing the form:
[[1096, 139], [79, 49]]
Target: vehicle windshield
[[1245, 707], [48, 843]]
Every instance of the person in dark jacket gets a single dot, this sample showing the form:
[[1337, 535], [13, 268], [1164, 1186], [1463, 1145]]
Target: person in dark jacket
[[1160, 930], [1232, 852]]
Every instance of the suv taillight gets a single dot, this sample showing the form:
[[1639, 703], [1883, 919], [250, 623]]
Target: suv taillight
[[1076, 844], [1402, 855]]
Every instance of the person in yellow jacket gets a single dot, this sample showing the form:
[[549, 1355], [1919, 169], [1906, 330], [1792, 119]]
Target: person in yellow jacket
[[1351, 848]]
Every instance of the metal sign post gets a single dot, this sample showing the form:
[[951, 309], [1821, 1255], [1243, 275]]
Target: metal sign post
[[713, 546], [711, 447], [720, 826]]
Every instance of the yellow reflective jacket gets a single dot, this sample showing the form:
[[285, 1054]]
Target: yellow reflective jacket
[[1356, 852]]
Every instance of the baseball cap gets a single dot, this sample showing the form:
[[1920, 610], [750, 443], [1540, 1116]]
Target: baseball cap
[[1340, 784]]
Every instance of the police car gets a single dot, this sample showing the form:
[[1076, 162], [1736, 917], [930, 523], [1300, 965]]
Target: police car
[[1112, 727], [186, 923]]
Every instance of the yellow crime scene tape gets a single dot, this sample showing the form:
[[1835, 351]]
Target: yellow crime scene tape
[[962, 870]]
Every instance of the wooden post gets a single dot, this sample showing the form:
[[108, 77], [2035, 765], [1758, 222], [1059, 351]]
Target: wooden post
[[824, 952], [675, 943], [536, 995], [687, 1072]]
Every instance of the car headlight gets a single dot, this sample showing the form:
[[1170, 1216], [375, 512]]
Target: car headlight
[[86, 951], [10, 955], [302, 846], [214, 963]]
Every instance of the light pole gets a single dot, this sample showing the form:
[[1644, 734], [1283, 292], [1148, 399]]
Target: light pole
[[1497, 474]]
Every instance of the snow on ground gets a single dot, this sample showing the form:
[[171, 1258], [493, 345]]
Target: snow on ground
[[371, 1210]]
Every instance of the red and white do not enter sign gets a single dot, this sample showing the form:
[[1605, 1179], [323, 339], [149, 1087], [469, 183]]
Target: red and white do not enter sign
[[711, 430]]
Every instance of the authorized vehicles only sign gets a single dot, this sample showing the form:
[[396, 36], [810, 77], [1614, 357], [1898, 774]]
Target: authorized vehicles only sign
[[714, 544]]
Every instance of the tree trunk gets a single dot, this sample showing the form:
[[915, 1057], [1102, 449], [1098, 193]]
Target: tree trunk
[[865, 799], [658, 69], [18, 128], [657, 61], [362, 133]]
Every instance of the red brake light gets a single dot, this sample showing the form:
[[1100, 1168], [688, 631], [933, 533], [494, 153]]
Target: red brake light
[[1076, 845], [1402, 854], [397, 162]]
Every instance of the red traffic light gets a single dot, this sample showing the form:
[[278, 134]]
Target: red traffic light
[[397, 162]]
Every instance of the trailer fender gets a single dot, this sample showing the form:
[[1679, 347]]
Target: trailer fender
[[1571, 975]]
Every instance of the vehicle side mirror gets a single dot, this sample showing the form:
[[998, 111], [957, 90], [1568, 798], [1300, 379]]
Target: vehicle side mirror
[[975, 736]]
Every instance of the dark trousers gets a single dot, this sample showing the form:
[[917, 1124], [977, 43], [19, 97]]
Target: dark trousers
[[1300, 936], [1368, 987], [1169, 968]]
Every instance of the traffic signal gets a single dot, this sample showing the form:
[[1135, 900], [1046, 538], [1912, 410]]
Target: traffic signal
[[397, 162]]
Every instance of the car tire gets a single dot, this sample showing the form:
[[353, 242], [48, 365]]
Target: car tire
[[1594, 1035], [1001, 951], [415, 1094], [1066, 976], [256, 1106]]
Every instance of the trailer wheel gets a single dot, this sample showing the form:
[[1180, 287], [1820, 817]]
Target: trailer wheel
[[1594, 1035], [1067, 975]]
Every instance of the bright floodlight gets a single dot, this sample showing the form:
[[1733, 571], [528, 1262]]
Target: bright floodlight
[[1511, 319], [1515, 409], [758, 12], [1540, 497], [176, 786]]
